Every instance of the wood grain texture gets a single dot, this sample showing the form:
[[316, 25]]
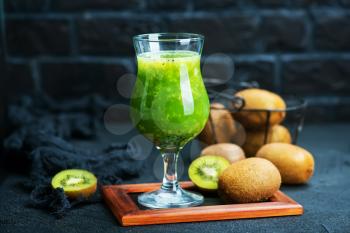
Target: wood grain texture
[[128, 214]]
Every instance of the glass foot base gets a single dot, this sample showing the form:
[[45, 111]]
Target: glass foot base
[[170, 199]]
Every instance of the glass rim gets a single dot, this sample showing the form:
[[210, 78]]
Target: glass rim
[[175, 35]]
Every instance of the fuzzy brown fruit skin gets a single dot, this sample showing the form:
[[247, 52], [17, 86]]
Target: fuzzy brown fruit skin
[[224, 126], [264, 100], [255, 139], [249, 180], [295, 164], [229, 151]]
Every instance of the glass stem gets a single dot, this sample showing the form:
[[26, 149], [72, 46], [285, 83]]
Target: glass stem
[[170, 182]]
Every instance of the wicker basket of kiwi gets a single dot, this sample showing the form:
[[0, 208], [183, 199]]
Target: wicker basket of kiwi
[[249, 145], [252, 117]]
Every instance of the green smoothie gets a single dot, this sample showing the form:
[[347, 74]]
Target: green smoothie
[[169, 104]]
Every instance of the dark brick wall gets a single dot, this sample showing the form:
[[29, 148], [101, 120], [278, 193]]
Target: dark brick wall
[[72, 47]]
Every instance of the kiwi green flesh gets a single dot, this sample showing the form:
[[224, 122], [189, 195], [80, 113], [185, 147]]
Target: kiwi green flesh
[[204, 172], [73, 180]]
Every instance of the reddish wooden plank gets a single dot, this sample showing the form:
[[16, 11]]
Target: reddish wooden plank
[[128, 214], [119, 202], [280, 196], [147, 187]]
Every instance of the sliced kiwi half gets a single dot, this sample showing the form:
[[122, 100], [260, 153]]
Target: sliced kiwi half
[[75, 182], [204, 171]]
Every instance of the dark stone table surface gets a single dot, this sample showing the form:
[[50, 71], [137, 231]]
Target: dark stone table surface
[[326, 199]]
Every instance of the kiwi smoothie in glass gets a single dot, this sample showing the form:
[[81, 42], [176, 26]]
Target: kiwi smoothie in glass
[[169, 105]]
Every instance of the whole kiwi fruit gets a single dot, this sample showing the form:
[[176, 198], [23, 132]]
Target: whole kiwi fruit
[[229, 151], [223, 129], [249, 180], [256, 138], [263, 100], [295, 164]]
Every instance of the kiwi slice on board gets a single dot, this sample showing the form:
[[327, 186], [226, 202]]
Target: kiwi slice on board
[[204, 171], [75, 182]]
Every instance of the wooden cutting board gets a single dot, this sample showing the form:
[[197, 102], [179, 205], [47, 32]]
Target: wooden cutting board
[[122, 200]]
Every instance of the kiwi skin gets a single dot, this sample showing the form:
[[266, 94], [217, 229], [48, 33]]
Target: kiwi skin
[[260, 99], [229, 151], [224, 129], [295, 164], [249, 180], [255, 139]]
